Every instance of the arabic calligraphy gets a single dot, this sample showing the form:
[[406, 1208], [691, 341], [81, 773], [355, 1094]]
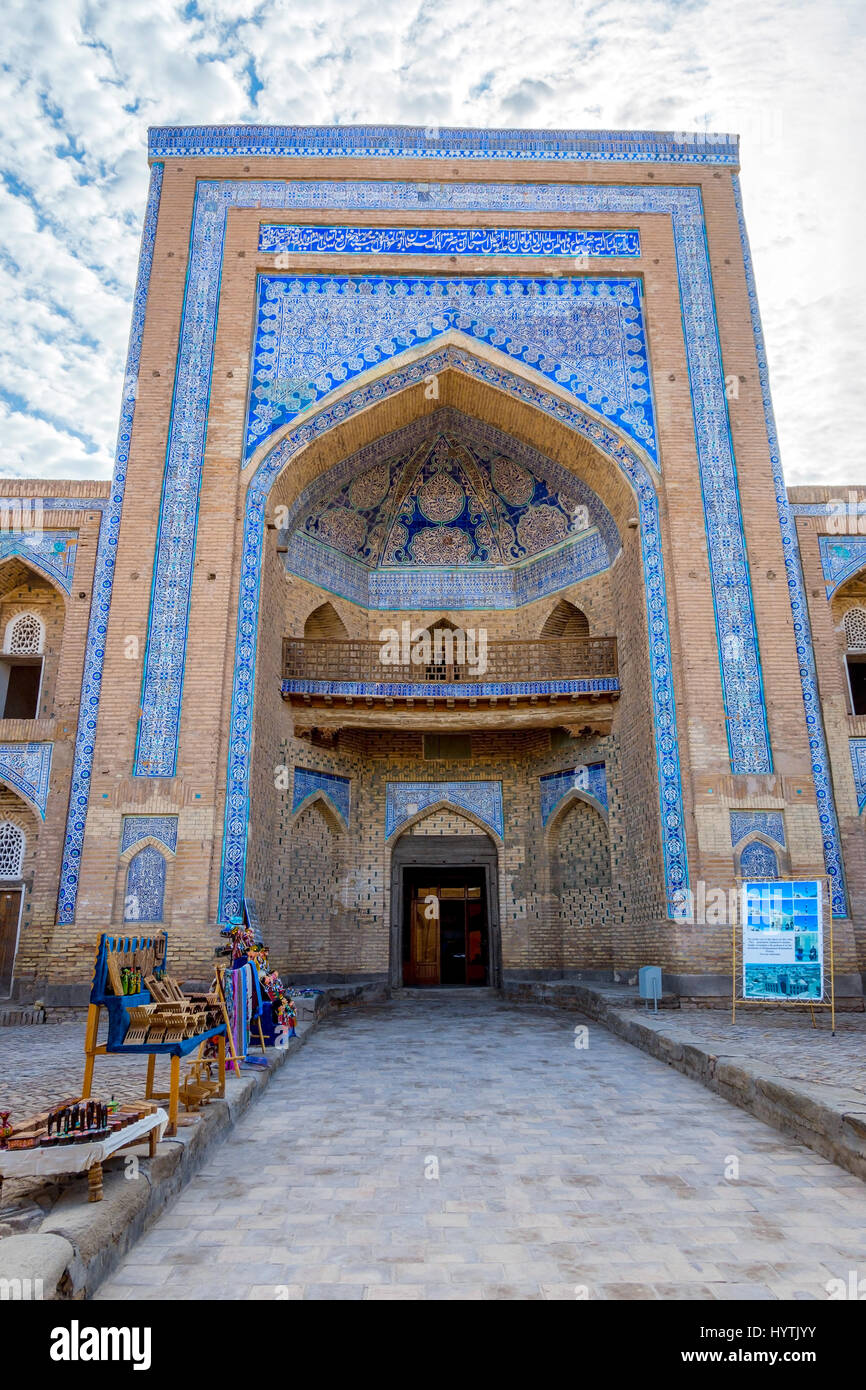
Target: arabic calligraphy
[[450, 241]]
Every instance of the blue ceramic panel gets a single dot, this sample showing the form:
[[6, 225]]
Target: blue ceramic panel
[[759, 861], [144, 900], [555, 785], [443, 142], [858, 763], [51, 551], [841, 557], [336, 789], [572, 242], [405, 799], [769, 823], [27, 768], [162, 828]]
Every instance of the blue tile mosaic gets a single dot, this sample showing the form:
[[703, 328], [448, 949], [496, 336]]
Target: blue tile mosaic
[[315, 332], [466, 689], [336, 789], [637, 474], [59, 504], [858, 763], [162, 828], [572, 242], [405, 799], [27, 768], [738, 649], [517, 526], [845, 516], [413, 589], [144, 900], [52, 552], [769, 823], [841, 557], [439, 142], [759, 861], [797, 593], [556, 785], [103, 579]]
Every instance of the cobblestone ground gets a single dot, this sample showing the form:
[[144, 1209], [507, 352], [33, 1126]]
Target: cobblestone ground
[[41, 1064], [458, 1147]]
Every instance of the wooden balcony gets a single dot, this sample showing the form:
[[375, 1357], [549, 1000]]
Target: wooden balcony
[[571, 682]]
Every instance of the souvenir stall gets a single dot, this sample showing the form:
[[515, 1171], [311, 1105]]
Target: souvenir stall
[[76, 1136], [259, 995]]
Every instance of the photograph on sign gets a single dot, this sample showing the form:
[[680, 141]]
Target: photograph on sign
[[783, 954]]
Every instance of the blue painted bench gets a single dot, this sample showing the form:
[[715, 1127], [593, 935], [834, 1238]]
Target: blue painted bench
[[102, 996]]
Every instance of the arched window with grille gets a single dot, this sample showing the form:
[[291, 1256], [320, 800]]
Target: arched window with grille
[[855, 629], [25, 635], [21, 666], [12, 847], [855, 659]]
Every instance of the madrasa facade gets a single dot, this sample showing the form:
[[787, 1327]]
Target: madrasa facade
[[447, 614]]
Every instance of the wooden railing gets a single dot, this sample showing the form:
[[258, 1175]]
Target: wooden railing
[[545, 659]]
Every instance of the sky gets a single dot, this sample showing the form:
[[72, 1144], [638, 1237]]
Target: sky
[[80, 83]]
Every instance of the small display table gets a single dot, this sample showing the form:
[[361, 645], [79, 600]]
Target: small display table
[[82, 1158]]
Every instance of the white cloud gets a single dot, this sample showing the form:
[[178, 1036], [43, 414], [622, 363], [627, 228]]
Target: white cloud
[[81, 82]]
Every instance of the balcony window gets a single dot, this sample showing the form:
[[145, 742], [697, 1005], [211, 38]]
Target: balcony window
[[21, 666]]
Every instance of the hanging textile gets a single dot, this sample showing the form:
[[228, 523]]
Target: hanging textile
[[241, 995]]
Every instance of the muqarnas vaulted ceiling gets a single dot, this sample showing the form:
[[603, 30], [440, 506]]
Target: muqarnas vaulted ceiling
[[448, 512]]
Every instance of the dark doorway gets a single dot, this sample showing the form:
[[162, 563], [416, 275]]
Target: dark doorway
[[10, 911], [461, 945], [445, 927]]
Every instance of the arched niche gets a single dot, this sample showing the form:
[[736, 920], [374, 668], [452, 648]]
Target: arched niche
[[565, 621], [325, 624]]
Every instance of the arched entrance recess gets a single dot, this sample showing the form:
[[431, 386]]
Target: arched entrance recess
[[429, 855], [630, 486]]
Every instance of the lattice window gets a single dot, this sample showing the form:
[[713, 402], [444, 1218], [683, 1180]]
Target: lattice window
[[25, 635], [759, 861], [855, 629], [12, 846]]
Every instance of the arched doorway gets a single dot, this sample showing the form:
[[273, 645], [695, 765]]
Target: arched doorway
[[445, 929], [284, 471]]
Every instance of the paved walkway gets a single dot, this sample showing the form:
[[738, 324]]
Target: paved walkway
[[459, 1147]]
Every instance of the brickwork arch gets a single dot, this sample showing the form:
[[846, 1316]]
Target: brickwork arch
[[325, 623], [316, 936], [565, 620]]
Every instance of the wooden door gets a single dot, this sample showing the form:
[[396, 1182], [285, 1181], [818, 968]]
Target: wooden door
[[424, 964], [10, 910]]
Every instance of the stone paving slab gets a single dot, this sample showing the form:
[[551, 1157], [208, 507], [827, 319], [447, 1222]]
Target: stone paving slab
[[464, 1148], [804, 1080]]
